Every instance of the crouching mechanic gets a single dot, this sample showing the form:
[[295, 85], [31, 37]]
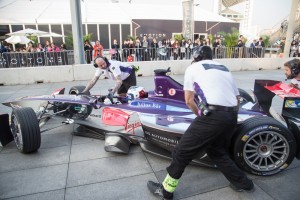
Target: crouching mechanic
[[213, 127], [292, 71], [122, 73]]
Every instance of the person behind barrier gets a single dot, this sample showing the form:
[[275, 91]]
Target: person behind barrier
[[122, 73], [213, 127], [292, 72]]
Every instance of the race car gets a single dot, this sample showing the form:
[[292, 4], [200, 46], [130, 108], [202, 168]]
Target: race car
[[263, 144]]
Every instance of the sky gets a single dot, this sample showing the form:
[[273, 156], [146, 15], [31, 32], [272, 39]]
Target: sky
[[266, 13]]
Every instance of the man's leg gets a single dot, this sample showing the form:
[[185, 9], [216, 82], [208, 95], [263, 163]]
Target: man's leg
[[218, 152], [202, 131]]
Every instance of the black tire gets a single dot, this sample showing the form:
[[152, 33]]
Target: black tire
[[244, 97], [77, 89], [86, 108], [263, 146], [25, 129]]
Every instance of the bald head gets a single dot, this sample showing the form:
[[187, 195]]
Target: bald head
[[100, 63]]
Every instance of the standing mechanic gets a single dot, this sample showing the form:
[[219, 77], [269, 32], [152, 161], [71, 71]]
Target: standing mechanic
[[123, 73], [292, 71], [212, 129]]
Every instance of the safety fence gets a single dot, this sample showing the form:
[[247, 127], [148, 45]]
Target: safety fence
[[36, 59]]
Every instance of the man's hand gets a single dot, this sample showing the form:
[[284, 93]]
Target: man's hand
[[110, 96]]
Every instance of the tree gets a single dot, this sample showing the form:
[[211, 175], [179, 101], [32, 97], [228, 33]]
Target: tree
[[178, 37], [88, 37], [266, 39], [69, 41], [230, 39]]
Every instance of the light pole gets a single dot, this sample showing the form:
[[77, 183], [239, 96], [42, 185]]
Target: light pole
[[75, 6], [188, 19]]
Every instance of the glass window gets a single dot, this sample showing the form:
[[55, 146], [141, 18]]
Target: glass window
[[56, 29], [32, 26], [83, 29], [4, 29], [58, 41], [43, 40], [92, 29], [43, 28], [115, 32], [125, 31], [15, 28], [67, 29], [104, 39], [69, 36]]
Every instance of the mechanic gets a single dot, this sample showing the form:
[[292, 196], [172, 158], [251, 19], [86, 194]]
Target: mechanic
[[292, 71], [123, 73], [213, 127]]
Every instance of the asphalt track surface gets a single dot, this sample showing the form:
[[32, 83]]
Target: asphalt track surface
[[73, 167]]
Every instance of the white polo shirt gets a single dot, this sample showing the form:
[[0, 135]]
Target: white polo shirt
[[295, 82], [115, 69], [211, 81]]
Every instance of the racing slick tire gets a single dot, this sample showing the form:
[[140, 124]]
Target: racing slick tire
[[244, 96], [77, 90], [87, 109], [25, 129], [263, 146]]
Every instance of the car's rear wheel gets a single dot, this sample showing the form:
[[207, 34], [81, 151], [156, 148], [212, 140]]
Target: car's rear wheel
[[80, 111], [264, 146], [25, 129], [78, 89], [244, 97]]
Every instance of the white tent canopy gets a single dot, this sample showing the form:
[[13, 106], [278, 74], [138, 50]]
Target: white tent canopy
[[93, 11], [28, 32], [18, 40]]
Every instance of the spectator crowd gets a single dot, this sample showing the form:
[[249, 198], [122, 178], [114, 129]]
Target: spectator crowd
[[150, 49]]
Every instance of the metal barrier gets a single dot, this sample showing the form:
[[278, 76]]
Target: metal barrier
[[36, 59]]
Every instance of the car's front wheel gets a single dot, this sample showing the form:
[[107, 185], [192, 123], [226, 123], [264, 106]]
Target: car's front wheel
[[25, 130], [264, 146]]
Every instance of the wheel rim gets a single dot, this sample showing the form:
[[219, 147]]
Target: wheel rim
[[266, 151], [16, 131]]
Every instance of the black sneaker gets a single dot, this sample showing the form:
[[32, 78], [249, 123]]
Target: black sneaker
[[237, 189], [158, 190]]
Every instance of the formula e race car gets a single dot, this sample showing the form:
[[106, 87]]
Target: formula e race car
[[264, 143]]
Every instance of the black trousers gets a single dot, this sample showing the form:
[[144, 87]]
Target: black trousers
[[128, 82], [210, 134]]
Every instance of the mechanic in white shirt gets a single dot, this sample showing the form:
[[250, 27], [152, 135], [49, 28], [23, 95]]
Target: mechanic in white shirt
[[122, 73], [213, 127], [292, 71]]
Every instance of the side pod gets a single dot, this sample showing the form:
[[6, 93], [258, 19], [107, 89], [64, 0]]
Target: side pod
[[5, 132]]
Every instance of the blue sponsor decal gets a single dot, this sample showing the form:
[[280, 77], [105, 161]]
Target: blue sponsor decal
[[144, 104]]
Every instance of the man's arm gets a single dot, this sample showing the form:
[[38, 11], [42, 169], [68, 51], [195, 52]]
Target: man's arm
[[118, 84], [91, 84], [189, 100]]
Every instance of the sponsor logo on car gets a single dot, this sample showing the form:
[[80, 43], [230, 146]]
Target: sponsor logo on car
[[148, 105], [132, 126]]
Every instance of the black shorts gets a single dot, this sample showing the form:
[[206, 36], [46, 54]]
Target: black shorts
[[127, 83]]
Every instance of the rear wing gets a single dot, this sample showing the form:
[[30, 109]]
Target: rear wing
[[265, 90]]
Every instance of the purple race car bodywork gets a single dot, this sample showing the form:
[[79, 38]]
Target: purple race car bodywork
[[261, 145]]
